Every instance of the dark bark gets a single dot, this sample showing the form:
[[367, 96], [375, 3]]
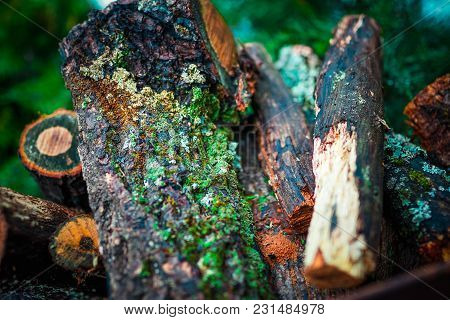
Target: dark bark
[[48, 149], [428, 115], [429, 282], [36, 218], [3, 234], [150, 81], [347, 160], [280, 244], [285, 142], [417, 198]]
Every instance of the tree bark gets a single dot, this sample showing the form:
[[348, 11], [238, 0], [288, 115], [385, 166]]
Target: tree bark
[[417, 194], [48, 149], [31, 216], [3, 234], [348, 152], [150, 81], [285, 142], [428, 116]]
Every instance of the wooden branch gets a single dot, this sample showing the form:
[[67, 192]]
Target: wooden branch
[[429, 282], [32, 216], [348, 152], [286, 146], [299, 67], [417, 196], [75, 245], [150, 81], [48, 149], [428, 116], [3, 234]]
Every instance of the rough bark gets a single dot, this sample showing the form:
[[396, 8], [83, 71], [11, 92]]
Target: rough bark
[[347, 159], [75, 245], [48, 149], [429, 282], [417, 198], [150, 81], [36, 218], [428, 115], [281, 246], [3, 234], [286, 145]]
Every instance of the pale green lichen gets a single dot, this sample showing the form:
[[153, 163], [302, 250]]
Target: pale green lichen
[[192, 75], [337, 78]]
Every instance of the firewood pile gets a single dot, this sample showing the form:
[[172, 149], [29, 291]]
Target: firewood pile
[[196, 168]]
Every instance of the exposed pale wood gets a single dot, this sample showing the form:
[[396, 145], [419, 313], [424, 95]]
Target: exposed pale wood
[[347, 160], [286, 145], [149, 89], [48, 149], [428, 115], [31, 216]]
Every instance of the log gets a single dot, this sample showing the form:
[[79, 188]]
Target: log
[[75, 245], [285, 142], [417, 193], [398, 251], [428, 116], [149, 82], [48, 149], [34, 217], [3, 234], [347, 160], [429, 282], [299, 67], [280, 245]]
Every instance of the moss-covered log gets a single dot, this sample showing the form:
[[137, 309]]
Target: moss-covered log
[[3, 234], [347, 160], [417, 198], [150, 81], [48, 149], [285, 142], [33, 217], [428, 115]]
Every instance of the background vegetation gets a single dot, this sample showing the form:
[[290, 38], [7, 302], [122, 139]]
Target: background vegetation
[[416, 51]]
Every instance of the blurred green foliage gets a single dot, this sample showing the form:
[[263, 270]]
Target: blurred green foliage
[[415, 35]]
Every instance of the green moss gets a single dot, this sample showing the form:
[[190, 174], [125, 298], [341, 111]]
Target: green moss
[[421, 179]]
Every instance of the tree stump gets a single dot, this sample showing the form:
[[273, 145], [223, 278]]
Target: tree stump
[[428, 116], [347, 160], [150, 81], [75, 245], [286, 145], [48, 149]]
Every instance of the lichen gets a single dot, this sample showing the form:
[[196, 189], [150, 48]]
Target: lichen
[[186, 176], [337, 78], [192, 75]]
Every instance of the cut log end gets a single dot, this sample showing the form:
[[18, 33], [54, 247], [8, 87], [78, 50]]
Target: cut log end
[[75, 245], [428, 116], [48, 149], [48, 146]]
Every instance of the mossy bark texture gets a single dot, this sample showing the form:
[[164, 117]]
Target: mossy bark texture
[[151, 81]]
